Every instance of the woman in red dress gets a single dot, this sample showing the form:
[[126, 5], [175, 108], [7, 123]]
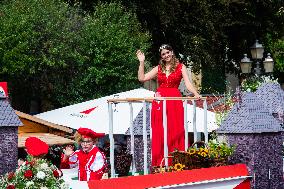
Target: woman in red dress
[[169, 73]]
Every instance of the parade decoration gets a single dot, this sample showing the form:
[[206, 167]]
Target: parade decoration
[[199, 155], [36, 173]]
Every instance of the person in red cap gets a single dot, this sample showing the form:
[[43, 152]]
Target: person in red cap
[[90, 160]]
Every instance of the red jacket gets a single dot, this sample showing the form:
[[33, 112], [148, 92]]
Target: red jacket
[[91, 166]]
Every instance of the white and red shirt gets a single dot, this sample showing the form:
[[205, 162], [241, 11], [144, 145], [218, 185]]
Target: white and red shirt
[[91, 165]]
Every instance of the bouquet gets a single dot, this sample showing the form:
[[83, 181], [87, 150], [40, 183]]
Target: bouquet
[[36, 173]]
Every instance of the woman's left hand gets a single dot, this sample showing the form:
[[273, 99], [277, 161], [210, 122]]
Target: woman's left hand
[[197, 96]]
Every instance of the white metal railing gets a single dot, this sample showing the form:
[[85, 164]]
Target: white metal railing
[[144, 101]]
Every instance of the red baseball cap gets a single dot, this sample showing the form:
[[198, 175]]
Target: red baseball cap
[[88, 133], [35, 146]]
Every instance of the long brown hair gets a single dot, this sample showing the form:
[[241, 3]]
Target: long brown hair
[[173, 62]]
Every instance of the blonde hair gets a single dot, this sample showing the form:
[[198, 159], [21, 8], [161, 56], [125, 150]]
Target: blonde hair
[[78, 137]]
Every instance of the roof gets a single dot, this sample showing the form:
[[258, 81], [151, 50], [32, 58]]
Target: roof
[[250, 115], [273, 98], [8, 117], [43, 122], [138, 123], [50, 139]]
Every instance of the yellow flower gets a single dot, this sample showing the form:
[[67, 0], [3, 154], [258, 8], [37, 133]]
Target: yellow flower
[[191, 151], [179, 167], [162, 170], [203, 154], [201, 149]]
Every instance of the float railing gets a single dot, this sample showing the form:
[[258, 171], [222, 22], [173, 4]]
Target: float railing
[[144, 101]]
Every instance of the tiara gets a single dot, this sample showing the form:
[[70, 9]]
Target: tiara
[[164, 46]]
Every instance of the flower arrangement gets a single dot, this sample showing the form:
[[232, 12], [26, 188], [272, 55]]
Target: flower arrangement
[[219, 152], [36, 173], [202, 155], [252, 83], [163, 169], [198, 155]]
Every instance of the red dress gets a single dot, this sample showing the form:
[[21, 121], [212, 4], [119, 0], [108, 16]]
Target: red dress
[[168, 87]]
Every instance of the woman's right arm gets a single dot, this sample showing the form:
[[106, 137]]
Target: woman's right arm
[[142, 77]]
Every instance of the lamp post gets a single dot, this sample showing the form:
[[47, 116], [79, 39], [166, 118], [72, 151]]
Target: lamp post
[[257, 51]]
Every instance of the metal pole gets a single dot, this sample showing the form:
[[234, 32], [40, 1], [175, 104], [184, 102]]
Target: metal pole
[[111, 140], [165, 124], [145, 139], [185, 125], [205, 121], [194, 121], [132, 137], [257, 69]]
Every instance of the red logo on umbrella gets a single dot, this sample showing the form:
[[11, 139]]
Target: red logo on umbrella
[[88, 111]]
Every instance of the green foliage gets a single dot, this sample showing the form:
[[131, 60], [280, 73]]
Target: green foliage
[[219, 149], [113, 36], [40, 46], [277, 50], [37, 35], [252, 83], [225, 108], [62, 55]]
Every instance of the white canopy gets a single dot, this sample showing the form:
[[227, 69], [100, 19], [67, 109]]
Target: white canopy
[[211, 119], [93, 114]]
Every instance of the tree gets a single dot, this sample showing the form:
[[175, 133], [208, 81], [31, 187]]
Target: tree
[[215, 34], [275, 44], [60, 55]]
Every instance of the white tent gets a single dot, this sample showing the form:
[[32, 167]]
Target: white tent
[[93, 114], [211, 119]]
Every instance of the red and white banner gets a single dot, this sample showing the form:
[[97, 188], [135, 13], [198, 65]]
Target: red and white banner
[[3, 89], [223, 177]]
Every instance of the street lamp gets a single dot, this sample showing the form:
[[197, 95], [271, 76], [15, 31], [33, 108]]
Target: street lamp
[[268, 64], [257, 51], [246, 64]]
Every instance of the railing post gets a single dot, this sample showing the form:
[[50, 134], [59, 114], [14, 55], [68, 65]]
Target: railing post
[[205, 121], [150, 122], [165, 124], [132, 138], [194, 121], [111, 140], [185, 125], [145, 139]]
